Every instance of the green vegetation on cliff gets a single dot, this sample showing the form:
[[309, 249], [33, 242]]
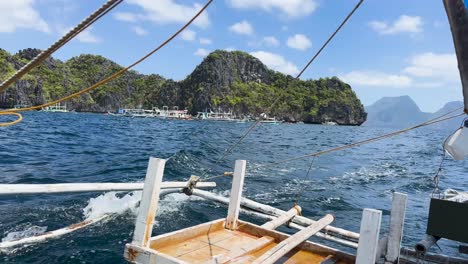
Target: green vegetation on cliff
[[224, 80]]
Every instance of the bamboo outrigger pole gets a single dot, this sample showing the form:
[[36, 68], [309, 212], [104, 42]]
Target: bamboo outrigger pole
[[14, 189]]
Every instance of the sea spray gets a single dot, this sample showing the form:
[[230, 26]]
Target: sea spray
[[111, 203], [119, 203]]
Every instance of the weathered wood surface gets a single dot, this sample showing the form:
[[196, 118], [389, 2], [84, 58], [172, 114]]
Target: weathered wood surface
[[243, 250], [285, 246], [143, 255], [266, 209], [13, 189], [212, 243], [149, 202], [395, 233], [236, 194], [282, 219], [368, 242]]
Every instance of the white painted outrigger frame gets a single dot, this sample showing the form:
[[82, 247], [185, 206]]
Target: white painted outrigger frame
[[388, 247], [368, 252]]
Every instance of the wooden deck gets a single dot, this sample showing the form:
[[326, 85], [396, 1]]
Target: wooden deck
[[212, 243]]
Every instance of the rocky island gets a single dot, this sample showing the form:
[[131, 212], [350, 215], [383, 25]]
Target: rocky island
[[225, 80]]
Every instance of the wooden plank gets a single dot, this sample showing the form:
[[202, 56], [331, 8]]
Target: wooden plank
[[14, 189], [369, 236], [280, 220], [330, 259], [140, 255], [236, 194], [285, 246], [149, 202], [397, 221], [51, 234], [243, 250], [178, 236], [270, 210]]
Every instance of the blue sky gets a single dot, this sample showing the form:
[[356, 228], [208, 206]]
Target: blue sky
[[388, 48]]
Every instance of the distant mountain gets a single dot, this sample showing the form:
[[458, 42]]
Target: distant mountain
[[224, 80], [399, 111], [450, 106], [402, 111]]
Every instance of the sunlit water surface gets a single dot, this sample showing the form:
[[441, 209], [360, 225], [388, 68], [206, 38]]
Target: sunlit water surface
[[72, 147]]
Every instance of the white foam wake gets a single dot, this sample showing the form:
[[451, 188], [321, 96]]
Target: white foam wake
[[111, 203]]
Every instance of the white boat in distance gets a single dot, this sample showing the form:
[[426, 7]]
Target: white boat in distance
[[269, 120], [155, 112], [56, 108], [216, 116]]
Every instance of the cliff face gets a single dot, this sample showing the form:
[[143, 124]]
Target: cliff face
[[227, 80], [214, 77]]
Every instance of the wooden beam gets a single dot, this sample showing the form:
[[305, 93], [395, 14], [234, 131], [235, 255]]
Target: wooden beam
[[285, 246], [236, 194], [51, 234], [280, 220], [14, 189], [270, 210], [369, 236], [397, 221], [149, 202]]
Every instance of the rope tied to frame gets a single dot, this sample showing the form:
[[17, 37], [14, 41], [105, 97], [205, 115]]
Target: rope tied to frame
[[191, 184]]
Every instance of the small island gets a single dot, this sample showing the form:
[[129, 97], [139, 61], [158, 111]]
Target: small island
[[228, 80]]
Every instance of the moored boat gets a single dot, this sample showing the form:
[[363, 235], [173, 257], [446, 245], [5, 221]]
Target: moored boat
[[56, 108]]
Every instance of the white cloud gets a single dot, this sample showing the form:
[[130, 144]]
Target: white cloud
[[276, 62], [299, 42], [205, 41], [139, 31], [291, 9], [167, 11], [243, 28], [376, 79], [268, 41], [87, 36], [425, 70], [201, 52], [125, 16], [230, 49], [188, 35], [20, 14], [404, 24], [441, 66], [271, 41]]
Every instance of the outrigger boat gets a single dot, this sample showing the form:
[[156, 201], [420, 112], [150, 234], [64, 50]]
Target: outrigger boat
[[216, 116], [155, 112], [57, 108], [232, 240]]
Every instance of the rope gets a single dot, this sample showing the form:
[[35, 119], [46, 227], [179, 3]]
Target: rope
[[301, 190], [104, 9], [118, 73], [250, 129], [18, 119], [319, 153], [331, 37], [436, 177]]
